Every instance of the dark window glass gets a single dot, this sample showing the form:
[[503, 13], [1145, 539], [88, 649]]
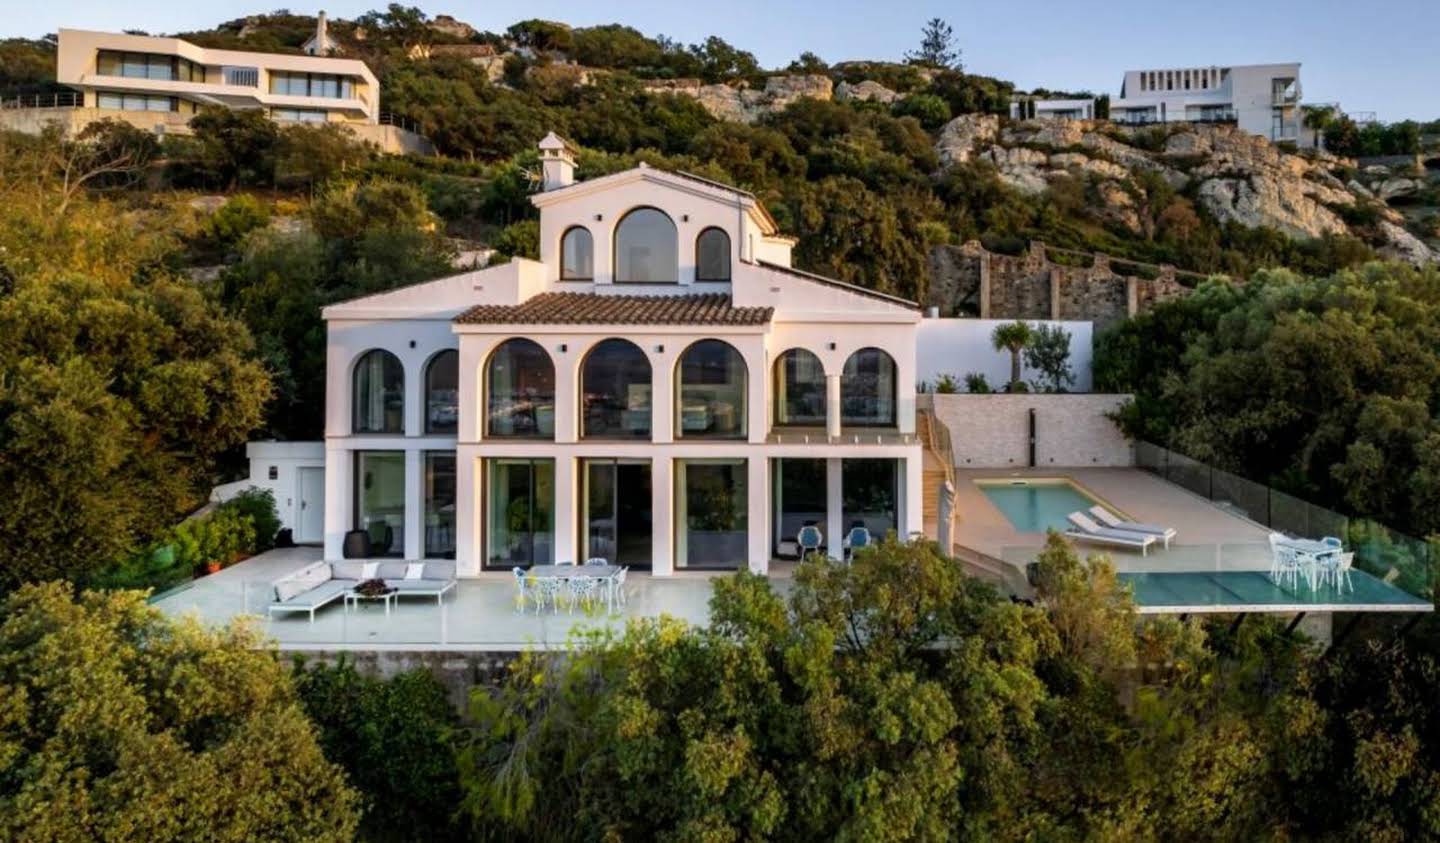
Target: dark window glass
[[442, 393], [520, 512], [711, 398], [868, 493], [712, 513], [440, 504], [712, 255], [867, 389], [520, 380], [379, 393], [380, 500], [799, 389], [577, 255], [615, 391], [646, 249]]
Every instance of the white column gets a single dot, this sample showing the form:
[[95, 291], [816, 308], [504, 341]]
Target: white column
[[834, 502], [913, 520], [472, 410], [338, 499], [662, 516], [567, 391], [757, 409], [758, 514], [467, 511], [567, 493], [662, 390], [414, 504], [832, 406]]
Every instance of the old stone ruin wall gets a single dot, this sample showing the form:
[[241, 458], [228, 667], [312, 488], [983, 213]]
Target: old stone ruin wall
[[970, 280]]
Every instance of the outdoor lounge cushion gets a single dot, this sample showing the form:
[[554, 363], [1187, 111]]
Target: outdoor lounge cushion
[[317, 596], [348, 570], [1087, 529], [1113, 521], [301, 581]]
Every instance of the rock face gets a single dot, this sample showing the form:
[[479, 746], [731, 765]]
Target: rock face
[[866, 91], [1235, 176], [447, 25], [746, 105]]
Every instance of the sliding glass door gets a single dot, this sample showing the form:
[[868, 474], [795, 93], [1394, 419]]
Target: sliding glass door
[[439, 481], [615, 518], [870, 494], [711, 514], [519, 512], [799, 494], [380, 500]]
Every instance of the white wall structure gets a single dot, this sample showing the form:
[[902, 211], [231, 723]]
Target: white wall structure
[[1026, 108], [660, 389], [993, 431], [1263, 99], [294, 472], [959, 346]]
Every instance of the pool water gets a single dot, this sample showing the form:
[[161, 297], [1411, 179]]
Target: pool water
[[1033, 506]]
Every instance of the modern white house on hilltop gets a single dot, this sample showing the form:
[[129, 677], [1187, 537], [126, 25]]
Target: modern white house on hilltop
[[158, 84], [661, 389], [1262, 99]]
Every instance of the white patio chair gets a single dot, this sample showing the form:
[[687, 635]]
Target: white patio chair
[[547, 589], [1288, 564], [617, 588], [597, 560], [562, 563], [582, 588], [520, 590], [1335, 569]]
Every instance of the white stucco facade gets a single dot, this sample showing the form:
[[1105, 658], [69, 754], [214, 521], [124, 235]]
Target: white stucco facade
[[530, 470], [1263, 99]]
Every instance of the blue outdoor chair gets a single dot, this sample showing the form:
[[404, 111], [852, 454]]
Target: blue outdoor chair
[[809, 538]]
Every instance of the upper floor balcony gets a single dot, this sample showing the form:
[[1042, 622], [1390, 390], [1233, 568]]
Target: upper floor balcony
[[1284, 92]]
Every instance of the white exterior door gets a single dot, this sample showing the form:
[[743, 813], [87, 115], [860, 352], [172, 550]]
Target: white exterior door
[[310, 520]]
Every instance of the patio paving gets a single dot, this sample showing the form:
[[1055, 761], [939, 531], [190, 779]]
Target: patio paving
[[479, 614]]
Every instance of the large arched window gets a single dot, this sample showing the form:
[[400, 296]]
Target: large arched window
[[615, 391], [379, 389], [799, 389], [520, 387], [442, 392], [646, 248], [712, 255], [711, 399], [577, 254], [867, 389]]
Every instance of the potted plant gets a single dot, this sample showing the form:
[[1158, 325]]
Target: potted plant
[[716, 532]]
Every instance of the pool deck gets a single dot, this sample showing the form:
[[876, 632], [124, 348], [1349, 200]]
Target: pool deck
[[1208, 538]]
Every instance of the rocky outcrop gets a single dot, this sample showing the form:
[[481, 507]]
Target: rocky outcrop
[[742, 104], [866, 91], [1233, 175], [447, 25], [961, 137]]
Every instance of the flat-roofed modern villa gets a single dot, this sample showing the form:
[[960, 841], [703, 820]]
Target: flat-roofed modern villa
[[1263, 99], [158, 84], [663, 395]]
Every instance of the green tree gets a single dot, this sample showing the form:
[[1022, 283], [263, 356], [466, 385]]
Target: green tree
[[122, 725], [1013, 337], [237, 146], [1048, 354], [937, 47]]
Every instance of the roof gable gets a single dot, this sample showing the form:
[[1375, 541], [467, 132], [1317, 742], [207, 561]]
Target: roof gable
[[683, 182]]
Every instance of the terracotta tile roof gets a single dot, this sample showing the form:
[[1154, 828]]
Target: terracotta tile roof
[[596, 309]]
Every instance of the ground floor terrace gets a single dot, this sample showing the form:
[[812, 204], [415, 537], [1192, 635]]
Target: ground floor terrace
[[479, 614], [654, 510]]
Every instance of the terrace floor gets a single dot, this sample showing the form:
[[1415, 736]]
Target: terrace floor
[[479, 614]]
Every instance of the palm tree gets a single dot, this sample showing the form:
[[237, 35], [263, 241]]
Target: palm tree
[[1012, 337]]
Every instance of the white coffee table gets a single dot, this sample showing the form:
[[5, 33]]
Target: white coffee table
[[354, 598]]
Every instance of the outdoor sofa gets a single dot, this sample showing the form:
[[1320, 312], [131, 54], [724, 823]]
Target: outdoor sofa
[[322, 583]]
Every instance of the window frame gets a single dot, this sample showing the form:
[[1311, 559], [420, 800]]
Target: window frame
[[615, 251], [729, 267], [564, 236], [355, 426]]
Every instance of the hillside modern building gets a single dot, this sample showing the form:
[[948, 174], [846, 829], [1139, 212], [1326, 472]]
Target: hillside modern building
[[660, 389], [1029, 108], [1264, 99], [159, 83]]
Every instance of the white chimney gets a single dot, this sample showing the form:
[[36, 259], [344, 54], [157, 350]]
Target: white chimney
[[557, 163]]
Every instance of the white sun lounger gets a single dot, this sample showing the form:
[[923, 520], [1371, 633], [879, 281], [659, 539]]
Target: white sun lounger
[[1088, 531], [1115, 522]]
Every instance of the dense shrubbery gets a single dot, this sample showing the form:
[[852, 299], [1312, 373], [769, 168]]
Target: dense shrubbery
[[1321, 387], [240, 527], [121, 725]]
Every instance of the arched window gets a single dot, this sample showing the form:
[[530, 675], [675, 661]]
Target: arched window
[[712, 255], [615, 391], [577, 254], [442, 392], [379, 389], [711, 399], [799, 389], [646, 248], [520, 387], [867, 389]]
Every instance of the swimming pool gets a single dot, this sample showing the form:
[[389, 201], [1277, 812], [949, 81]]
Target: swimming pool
[[1034, 506]]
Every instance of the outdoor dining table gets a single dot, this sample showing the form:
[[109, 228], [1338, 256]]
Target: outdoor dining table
[[575, 572]]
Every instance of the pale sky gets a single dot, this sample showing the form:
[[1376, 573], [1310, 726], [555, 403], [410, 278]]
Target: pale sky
[[1378, 55]]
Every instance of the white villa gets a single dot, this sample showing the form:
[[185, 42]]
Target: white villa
[[660, 389], [158, 84], [1262, 99]]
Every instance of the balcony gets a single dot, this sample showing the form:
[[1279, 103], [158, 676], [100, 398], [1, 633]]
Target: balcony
[[1285, 92], [242, 77]]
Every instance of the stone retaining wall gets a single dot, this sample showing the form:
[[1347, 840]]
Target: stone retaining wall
[[1071, 430]]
